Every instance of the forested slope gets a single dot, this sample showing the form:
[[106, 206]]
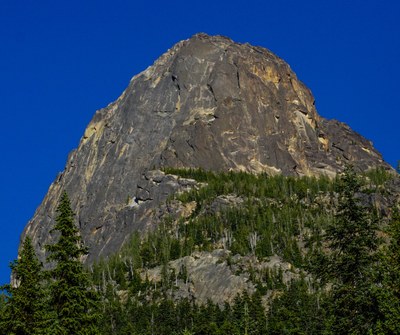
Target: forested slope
[[255, 254]]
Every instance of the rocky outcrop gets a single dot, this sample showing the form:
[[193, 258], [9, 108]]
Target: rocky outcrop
[[207, 102], [210, 276]]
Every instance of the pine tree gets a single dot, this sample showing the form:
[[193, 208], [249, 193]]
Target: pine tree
[[3, 315], [352, 242], [296, 311], [71, 297], [388, 273], [25, 310]]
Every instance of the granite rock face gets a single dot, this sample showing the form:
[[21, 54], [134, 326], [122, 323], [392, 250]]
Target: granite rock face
[[207, 102], [209, 276]]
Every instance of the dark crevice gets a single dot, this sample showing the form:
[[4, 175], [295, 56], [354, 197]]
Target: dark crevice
[[190, 145], [142, 188], [337, 146], [142, 199], [162, 112], [212, 91], [176, 82], [237, 74]]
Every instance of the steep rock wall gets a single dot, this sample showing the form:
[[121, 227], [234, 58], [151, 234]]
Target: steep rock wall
[[207, 102]]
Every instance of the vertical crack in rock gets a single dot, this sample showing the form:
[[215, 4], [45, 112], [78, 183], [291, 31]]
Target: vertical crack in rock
[[212, 91]]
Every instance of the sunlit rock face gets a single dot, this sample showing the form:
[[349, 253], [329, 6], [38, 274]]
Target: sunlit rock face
[[207, 102]]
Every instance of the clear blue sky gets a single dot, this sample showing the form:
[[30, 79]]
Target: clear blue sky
[[62, 60]]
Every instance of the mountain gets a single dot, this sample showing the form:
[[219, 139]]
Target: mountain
[[208, 103]]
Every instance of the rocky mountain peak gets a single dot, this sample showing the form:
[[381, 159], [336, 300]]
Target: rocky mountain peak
[[207, 102]]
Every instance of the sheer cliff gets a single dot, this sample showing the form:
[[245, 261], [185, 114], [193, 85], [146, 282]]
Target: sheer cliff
[[208, 102]]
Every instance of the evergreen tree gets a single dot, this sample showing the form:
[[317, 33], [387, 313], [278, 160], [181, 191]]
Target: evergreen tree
[[3, 305], [257, 312], [352, 242], [389, 278], [296, 311], [25, 310], [71, 297]]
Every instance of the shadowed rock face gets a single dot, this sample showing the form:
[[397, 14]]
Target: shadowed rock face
[[207, 102]]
